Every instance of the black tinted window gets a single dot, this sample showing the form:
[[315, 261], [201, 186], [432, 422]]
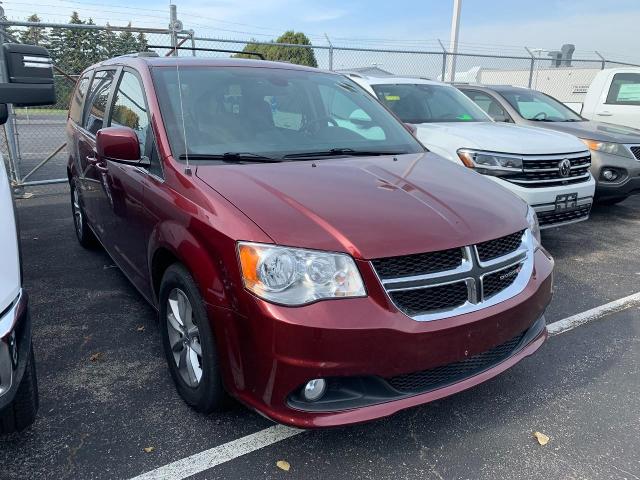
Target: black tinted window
[[75, 109], [625, 89], [97, 100], [129, 107]]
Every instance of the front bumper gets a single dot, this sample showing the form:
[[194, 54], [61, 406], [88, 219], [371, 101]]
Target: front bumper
[[15, 345], [543, 201], [627, 184], [271, 353]]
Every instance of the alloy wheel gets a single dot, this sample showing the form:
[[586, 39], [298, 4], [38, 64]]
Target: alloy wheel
[[184, 337], [77, 212]]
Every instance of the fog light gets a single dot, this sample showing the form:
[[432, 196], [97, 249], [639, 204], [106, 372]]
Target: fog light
[[609, 175], [314, 389]]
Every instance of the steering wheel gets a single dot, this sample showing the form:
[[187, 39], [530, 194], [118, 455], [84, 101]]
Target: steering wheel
[[540, 116], [312, 126]]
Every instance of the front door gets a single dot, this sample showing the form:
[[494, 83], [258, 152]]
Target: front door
[[123, 210], [622, 103], [94, 187]]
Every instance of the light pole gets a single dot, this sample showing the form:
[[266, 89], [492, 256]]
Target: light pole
[[453, 40]]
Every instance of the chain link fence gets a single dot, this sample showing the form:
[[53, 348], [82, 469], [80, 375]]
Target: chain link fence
[[34, 138]]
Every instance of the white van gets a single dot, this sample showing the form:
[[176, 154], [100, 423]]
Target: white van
[[614, 97], [547, 169]]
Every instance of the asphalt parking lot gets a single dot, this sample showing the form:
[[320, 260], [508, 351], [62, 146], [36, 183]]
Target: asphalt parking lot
[[106, 395]]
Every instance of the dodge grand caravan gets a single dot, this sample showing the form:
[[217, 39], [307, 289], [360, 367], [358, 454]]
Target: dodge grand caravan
[[317, 275]]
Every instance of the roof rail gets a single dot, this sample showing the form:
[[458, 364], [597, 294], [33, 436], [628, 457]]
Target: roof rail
[[147, 53], [202, 49]]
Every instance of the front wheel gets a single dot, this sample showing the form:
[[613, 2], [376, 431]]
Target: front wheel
[[189, 343], [85, 235]]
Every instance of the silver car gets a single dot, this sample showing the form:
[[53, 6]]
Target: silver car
[[615, 149]]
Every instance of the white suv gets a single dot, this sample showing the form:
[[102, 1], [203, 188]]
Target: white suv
[[549, 170]]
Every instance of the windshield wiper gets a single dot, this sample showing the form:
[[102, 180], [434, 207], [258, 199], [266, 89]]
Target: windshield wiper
[[342, 151], [230, 157]]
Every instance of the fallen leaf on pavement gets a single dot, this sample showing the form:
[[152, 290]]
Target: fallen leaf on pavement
[[96, 356], [283, 465], [149, 449], [140, 328], [541, 437]]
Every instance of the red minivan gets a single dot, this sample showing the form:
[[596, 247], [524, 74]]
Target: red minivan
[[306, 254]]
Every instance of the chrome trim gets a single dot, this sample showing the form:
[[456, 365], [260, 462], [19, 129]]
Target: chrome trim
[[36, 59], [472, 272], [573, 167], [551, 180], [7, 324], [36, 65]]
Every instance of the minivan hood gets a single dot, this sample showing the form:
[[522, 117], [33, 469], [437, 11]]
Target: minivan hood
[[497, 137], [600, 131], [369, 207]]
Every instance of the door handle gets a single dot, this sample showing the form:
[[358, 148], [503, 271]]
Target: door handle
[[604, 114]]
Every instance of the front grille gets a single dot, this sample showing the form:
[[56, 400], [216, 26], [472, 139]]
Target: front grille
[[544, 173], [419, 264], [499, 247], [425, 380], [413, 302], [494, 283], [435, 285], [636, 152], [552, 217]]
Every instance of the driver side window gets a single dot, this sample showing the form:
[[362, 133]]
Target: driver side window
[[129, 107]]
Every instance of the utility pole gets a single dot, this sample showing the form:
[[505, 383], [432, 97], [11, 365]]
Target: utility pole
[[175, 26], [453, 42]]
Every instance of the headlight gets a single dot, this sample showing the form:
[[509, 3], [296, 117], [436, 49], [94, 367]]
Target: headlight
[[295, 276], [488, 163], [606, 147], [532, 220]]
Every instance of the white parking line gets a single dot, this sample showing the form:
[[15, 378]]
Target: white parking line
[[202, 461], [222, 453], [569, 323]]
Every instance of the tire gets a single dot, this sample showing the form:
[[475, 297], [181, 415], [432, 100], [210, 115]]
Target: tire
[[85, 235], [22, 411], [181, 341], [611, 201]]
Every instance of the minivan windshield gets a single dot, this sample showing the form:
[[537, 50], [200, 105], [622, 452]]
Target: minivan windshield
[[429, 103], [260, 114], [532, 105]]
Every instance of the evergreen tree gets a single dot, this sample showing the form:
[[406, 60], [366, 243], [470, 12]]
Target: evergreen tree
[[34, 35], [127, 42]]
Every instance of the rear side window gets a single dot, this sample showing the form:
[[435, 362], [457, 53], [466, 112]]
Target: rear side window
[[77, 101], [97, 100], [129, 107], [625, 89]]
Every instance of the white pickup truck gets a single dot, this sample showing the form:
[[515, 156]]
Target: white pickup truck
[[549, 170], [614, 97]]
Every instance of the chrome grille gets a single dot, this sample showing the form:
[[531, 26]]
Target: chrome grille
[[499, 247], [408, 265], [420, 300], [486, 274], [544, 171]]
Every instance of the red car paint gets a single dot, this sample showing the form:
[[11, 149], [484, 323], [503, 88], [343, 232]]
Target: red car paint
[[366, 207]]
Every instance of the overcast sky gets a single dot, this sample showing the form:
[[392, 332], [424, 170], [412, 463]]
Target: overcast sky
[[609, 26]]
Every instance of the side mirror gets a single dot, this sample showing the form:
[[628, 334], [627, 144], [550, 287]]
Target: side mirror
[[119, 144], [501, 118], [411, 127], [4, 113], [29, 74]]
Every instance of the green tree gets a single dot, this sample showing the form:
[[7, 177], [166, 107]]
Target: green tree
[[127, 42], [34, 35], [281, 53]]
